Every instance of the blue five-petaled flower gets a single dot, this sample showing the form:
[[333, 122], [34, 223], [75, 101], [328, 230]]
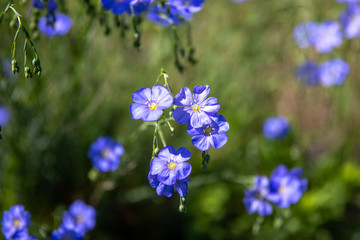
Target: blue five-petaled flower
[[15, 222], [61, 26], [105, 154], [213, 134], [276, 128], [169, 169], [149, 104], [195, 108]]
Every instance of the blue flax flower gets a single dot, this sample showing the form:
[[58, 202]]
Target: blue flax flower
[[327, 36], [213, 134], [195, 108], [276, 128], [255, 199], [181, 186], [286, 187], [4, 116], [61, 234], [51, 5], [348, 1], [303, 34], [350, 20], [131, 7], [80, 218], [15, 221], [308, 73], [149, 104], [170, 166], [62, 25], [105, 154], [333, 72]]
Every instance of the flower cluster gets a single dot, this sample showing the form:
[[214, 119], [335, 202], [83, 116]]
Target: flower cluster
[[53, 23], [276, 128], [76, 222], [15, 223], [105, 154], [168, 168], [284, 188]]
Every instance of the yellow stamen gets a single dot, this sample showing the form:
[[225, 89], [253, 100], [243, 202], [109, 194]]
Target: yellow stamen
[[196, 107], [207, 130], [281, 190], [172, 165], [79, 219], [17, 223], [152, 106], [106, 153]]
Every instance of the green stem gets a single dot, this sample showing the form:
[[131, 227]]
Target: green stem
[[162, 137]]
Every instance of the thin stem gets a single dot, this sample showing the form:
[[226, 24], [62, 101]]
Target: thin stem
[[162, 137]]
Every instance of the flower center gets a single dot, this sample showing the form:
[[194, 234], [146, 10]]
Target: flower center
[[17, 223], [281, 190], [172, 165], [106, 153], [152, 106], [79, 219], [196, 107], [208, 130]]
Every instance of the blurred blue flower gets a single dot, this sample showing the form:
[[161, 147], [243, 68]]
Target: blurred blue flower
[[303, 34], [80, 218], [286, 187], [170, 166], [130, 6], [149, 104], [62, 234], [213, 134], [51, 5], [276, 128], [4, 116], [348, 1], [105, 154], [14, 222], [139, 6], [181, 186], [61, 26], [308, 73], [195, 108], [333, 72], [327, 36], [22, 235], [239, 1], [350, 20], [255, 199]]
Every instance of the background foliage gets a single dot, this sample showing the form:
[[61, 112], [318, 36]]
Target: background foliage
[[248, 57]]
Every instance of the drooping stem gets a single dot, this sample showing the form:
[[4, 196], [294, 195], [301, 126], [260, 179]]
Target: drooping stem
[[162, 137]]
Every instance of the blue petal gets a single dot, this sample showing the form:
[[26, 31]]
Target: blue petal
[[193, 131], [183, 170], [201, 142], [153, 180], [167, 152], [181, 116], [107, 4], [157, 165], [120, 7], [222, 123], [167, 176], [162, 96], [184, 98], [153, 115], [165, 190], [199, 119], [218, 140], [261, 182], [181, 188], [210, 105], [142, 96], [182, 154], [138, 110], [200, 93]]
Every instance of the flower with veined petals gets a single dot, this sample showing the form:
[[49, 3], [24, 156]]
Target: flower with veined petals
[[181, 186], [171, 166], [80, 218], [195, 108], [286, 187], [14, 221], [255, 198], [149, 104], [350, 20], [105, 154], [213, 134], [61, 26], [333, 72]]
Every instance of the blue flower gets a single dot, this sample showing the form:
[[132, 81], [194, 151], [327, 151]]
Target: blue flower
[[4, 116], [333, 72], [276, 128], [186, 8], [15, 221], [308, 73], [350, 20], [61, 26], [139, 6], [51, 5], [170, 166], [80, 218], [286, 187], [213, 134], [164, 15], [303, 34], [181, 186], [105, 154], [327, 36], [347, 1], [62, 234], [255, 199], [149, 104], [22, 235], [135, 7], [195, 108]]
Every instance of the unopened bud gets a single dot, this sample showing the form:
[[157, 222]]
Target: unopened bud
[[28, 73], [14, 66]]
